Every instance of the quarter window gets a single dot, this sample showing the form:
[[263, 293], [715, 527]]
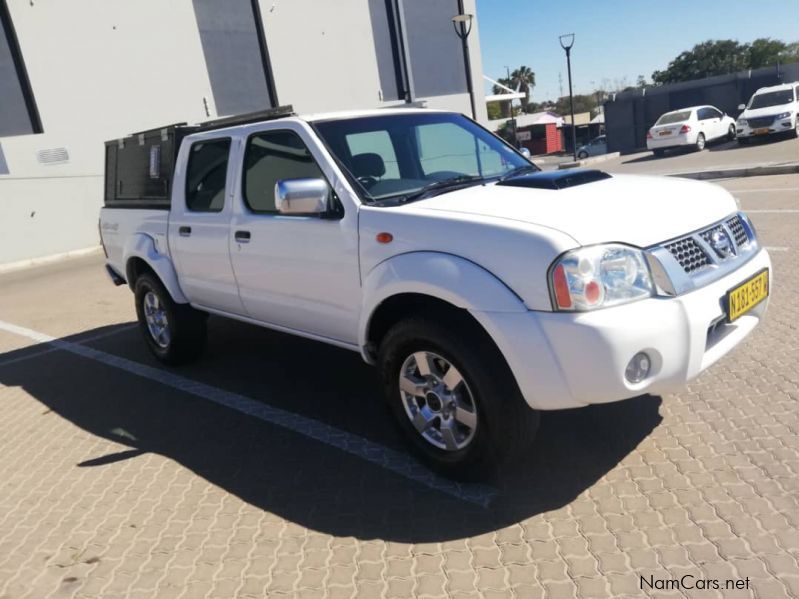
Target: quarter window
[[206, 175], [270, 157]]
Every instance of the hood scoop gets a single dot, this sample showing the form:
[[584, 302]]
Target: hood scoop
[[556, 179]]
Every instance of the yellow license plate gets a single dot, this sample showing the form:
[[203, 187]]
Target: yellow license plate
[[666, 132], [747, 295], [760, 131]]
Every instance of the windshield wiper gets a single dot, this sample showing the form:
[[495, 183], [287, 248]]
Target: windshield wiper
[[519, 170], [439, 185]]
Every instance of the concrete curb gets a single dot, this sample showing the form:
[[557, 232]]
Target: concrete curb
[[588, 161], [749, 171], [33, 262]]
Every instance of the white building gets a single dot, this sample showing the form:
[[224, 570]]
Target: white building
[[76, 73]]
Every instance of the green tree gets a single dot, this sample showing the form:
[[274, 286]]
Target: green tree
[[582, 103], [765, 52], [522, 79], [494, 110], [719, 57], [705, 60]]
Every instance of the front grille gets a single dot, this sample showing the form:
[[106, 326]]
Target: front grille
[[738, 231], [688, 254], [763, 121]]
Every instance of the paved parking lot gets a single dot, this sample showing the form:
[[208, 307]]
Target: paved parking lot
[[717, 156], [270, 468]]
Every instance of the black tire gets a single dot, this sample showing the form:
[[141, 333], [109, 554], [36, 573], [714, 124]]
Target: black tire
[[659, 153], [186, 326], [506, 425], [582, 155], [795, 133], [701, 142], [731, 133]]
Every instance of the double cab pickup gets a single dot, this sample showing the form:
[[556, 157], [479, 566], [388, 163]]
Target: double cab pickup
[[484, 289]]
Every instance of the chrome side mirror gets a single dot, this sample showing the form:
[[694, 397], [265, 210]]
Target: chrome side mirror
[[302, 196], [525, 152]]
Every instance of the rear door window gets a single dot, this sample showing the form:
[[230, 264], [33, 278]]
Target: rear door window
[[206, 175]]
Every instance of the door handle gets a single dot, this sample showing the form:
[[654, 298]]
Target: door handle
[[184, 231], [242, 236]]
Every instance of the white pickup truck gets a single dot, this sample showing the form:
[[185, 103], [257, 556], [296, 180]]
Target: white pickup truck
[[484, 289]]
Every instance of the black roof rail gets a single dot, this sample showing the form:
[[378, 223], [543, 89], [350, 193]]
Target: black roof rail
[[244, 119]]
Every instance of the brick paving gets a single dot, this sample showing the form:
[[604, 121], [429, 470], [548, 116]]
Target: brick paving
[[112, 485]]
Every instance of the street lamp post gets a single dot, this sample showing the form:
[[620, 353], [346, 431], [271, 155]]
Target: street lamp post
[[512, 116], [463, 27], [566, 42]]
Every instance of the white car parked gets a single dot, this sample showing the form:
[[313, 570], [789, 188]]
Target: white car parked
[[771, 111], [595, 147], [690, 127], [484, 289]]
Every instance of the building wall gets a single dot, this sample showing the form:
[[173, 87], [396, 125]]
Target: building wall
[[101, 69]]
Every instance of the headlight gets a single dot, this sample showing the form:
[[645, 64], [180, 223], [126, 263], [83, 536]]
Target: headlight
[[598, 277], [783, 115], [742, 122]]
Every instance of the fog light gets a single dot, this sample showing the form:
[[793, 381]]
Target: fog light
[[638, 368]]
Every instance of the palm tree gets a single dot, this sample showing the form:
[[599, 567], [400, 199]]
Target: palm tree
[[524, 79]]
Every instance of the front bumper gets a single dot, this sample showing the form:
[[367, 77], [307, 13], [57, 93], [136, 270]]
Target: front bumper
[[785, 125], [569, 360]]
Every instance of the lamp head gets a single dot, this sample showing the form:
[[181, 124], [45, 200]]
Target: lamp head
[[464, 19], [566, 41]]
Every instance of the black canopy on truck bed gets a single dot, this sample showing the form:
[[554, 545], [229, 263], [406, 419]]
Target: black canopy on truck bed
[[139, 167]]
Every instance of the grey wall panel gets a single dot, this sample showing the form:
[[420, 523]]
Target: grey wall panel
[[382, 34], [436, 52], [14, 117], [233, 56], [3, 163]]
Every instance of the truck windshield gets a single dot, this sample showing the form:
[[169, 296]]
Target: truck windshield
[[772, 99], [396, 156]]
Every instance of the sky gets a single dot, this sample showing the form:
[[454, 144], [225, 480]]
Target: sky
[[616, 38]]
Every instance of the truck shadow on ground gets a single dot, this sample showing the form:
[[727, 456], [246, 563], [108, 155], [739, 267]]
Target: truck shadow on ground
[[293, 476]]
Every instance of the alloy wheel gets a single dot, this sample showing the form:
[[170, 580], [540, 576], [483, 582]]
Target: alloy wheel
[[438, 401], [156, 319]]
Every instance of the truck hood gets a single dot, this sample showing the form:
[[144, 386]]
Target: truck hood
[[633, 209], [767, 111]]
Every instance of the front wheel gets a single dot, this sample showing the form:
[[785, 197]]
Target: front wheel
[[582, 155], [731, 133], [700, 142], [175, 333], [454, 397], [796, 128]]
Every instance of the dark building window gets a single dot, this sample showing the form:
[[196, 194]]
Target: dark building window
[[18, 112]]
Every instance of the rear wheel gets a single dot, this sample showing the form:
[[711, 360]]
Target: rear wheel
[[454, 397], [700, 142], [582, 155], [175, 333]]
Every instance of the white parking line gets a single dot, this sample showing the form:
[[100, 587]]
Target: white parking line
[[390, 459], [119, 329], [776, 248], [774, 211]]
